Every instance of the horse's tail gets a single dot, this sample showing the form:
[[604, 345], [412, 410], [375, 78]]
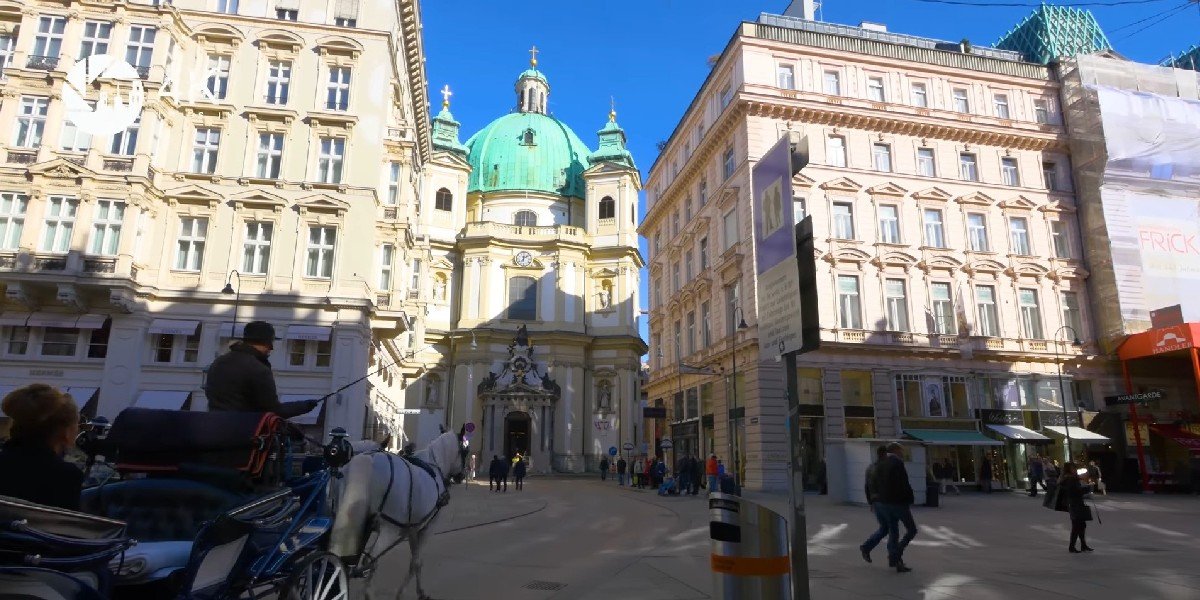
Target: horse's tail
[[349, 533]]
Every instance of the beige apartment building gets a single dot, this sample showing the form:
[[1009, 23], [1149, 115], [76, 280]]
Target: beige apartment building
[[947, 256], [278, 153]]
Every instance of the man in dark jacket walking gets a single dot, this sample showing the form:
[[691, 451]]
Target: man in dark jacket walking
[[697, 474], [494, 473], [881, 456], [242, 380], [603, 468], [505, 467], [683, 474], [1037, 475], [621, 465], [896, 496]]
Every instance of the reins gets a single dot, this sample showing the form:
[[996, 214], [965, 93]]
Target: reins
[[409, 526]]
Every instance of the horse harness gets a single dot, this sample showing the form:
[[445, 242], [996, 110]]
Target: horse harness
[[443, 499]]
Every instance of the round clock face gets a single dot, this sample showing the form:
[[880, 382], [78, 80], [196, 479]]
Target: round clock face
[[524, 259]]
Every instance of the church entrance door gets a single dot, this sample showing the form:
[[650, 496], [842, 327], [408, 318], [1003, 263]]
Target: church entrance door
[[516, 434]]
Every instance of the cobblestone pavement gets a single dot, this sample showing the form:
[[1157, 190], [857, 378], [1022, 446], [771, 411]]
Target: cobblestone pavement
[[572, 538]]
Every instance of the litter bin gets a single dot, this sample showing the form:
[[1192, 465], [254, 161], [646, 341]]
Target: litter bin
[[749, 550]]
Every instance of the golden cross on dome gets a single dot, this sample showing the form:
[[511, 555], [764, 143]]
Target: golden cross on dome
[[446, 93], [612, 109], [533, 56]]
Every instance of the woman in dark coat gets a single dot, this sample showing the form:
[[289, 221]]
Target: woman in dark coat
[[1071, 492], [45, 422]]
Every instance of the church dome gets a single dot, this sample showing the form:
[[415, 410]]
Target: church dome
[[528, 150]]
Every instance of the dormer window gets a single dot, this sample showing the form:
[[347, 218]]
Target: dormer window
[[527, 137]]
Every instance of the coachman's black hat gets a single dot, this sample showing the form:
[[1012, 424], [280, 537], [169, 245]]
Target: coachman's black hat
[[259, 331]]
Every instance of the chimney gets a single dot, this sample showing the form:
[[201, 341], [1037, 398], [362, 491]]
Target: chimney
[[802, 9]]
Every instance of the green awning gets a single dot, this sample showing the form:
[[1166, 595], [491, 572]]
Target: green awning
[[950, 437]]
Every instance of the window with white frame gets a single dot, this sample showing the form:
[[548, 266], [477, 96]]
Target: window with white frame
[[676, 279], [140, 49], [1050, 175], [843, 220], [414, 282], [31, 121], [229, 7], [321, 244], [345, 22], [204, 150], [74, 139], [525, 218], [687, 209], [96, 36], [17, 340], [256, 249], [943, 308], [393, 190], [703, 253], [387, 258], [926, 167], [728, 163], [270, 155], [189, 251], [985, 306], [835, 151], [1072, 315], [443, 200], [106, 227], [310, 353], [875, 89], [881, 157], [48, 40], [1018, 231], [1031, 314], [729, 228], [60, 341], [1060, 238], [1008, 171], [897, 304], [1000, 105], [59, 223], [732, 308], [889, 223], [849, 302], [7, 45], [177, 347], [961, 103], [329, 161], [124, 142], [689, 342], [678, 354], [833, 83], [702, 191], [12, 219], [337, 93], [688, 266], [968, 169], [218, 76], [705, 327], [920, 95], [785, 76], [1041, 111], [935, 231], [977, 232], [287, 14], [279, 81], [522, 298], [726, 95]]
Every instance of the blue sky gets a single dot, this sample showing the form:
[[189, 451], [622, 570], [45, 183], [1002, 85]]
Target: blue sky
[[651, 55]]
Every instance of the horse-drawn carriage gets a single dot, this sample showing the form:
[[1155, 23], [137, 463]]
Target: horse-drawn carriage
[[208, 506]]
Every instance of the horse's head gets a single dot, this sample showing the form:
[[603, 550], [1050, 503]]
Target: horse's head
[[450, 452]]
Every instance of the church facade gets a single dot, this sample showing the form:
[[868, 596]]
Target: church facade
[[530, 327]]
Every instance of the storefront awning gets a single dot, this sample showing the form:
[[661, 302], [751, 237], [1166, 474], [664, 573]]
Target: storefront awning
[[309, 418], [1159, 341], [161, 399], [81, 394], [66, 321], [948, 437], [308, 332], [1187, 439], [1082, 435], [1019, 433], [172, 327]]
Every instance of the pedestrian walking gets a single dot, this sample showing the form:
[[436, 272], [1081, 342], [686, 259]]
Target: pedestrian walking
[[494, 473], [604, 468], [505, 469], [873, 503], [519, 470], [1094, 476], [1051, 469], [711, 471], [648, 468], [896, 497], [1070, 498], [621, 465], [660, 473], [697, 477], [636, 474], [1037, 476], [683, 474], [473, 466], [985, 475], [950, 473]]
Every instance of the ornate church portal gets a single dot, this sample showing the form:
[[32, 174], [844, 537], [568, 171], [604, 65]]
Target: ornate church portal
[[518, 408]]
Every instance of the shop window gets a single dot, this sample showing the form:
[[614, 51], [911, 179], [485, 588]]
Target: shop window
[[908, 395], [856, 388], [677, 407], [310, 353], [860, 428], [808, 386], [98, 340], [692, 404], [17, 341], [176, 348]]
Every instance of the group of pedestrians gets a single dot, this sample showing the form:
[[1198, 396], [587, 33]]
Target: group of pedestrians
[[500, 469], [691, 474]]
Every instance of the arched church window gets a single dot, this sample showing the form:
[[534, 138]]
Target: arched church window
[[527, 139], [608, 208], [522, 298], [525, 218], [443, 200], [529, 99]]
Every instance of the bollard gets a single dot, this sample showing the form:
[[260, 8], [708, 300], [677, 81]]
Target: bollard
[[749, 550]]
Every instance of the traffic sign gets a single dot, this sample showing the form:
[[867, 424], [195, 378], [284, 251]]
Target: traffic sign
[[470, 428], [1134, 398], [612, 451], [666, 444], [628, 446]]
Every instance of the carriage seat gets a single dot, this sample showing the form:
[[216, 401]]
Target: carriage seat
[[160, 509]]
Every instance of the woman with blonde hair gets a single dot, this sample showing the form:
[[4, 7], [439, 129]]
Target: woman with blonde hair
[[45, 422]]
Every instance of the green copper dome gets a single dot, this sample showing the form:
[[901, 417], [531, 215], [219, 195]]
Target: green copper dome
[[527, 151]]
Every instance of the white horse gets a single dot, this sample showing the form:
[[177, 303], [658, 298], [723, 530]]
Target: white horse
[[386, 500]]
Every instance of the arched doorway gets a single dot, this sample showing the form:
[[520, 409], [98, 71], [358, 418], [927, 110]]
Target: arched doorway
[[516, 434]]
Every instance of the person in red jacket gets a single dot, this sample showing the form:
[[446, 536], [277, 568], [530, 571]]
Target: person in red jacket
[[710, 470]]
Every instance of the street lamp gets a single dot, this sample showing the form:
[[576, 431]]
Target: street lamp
[[237, 297], [737, 312], [1062, 393]]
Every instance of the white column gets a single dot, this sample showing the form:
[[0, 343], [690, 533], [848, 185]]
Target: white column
[[471, 289]]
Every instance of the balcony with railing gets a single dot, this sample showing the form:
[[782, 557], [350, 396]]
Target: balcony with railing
[[523, 232], [71, 264], [42, 63], [21, 157]]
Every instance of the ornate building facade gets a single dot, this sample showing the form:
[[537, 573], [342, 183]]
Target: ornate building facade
[[948, 255], [277, 156], [533, 235]]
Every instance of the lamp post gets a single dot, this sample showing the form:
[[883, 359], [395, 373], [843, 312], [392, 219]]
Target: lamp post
[[733, 458], [237, 297], [1062, 393]]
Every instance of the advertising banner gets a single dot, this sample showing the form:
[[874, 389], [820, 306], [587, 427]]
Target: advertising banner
[[780, 327]]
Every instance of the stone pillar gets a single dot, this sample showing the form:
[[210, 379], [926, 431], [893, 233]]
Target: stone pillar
[[568, 419]]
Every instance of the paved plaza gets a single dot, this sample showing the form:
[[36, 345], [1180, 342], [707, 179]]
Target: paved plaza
[[573, 538]]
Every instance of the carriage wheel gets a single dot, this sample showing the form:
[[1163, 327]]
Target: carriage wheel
[[319, 576]]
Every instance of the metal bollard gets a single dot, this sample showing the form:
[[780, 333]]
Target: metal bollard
[[749, 550]]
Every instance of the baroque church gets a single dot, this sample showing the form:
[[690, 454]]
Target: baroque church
[[532, 323]]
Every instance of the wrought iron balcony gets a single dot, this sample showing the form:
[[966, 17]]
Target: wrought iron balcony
[[20, 157], [42, 63]]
